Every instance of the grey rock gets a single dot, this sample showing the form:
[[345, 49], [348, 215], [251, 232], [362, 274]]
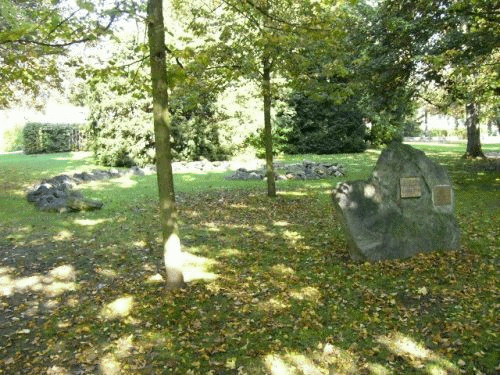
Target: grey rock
[[136, 171], [307, 170], [75, 203], [39, 191], [404, 208], [51, 204], [100, 174], [113, 172], [244, 174], [57, 195], [254, 176], [81, 177]]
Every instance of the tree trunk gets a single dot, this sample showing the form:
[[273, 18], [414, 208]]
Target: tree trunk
[[474, 149], [168, 215], [426, 121], [268, 134]]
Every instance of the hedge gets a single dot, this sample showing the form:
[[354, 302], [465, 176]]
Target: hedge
[[47, 138]]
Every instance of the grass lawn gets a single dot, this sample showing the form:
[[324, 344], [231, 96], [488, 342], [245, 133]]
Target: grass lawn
[[271, 287]]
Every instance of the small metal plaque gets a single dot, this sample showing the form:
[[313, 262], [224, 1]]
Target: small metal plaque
[[410, 187], [442, 195]]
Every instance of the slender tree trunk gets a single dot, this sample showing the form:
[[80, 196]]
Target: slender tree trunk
[[168, 215], [268, 134], [426, 131], [474, 149]]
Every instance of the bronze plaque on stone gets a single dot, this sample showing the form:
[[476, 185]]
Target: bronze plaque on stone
[[410, 187], [442, 195]]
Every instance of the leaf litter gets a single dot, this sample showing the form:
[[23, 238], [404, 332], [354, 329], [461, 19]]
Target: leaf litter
[[286, 295]]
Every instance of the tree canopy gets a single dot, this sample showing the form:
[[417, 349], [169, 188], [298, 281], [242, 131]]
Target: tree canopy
[[33, 34], [384, 55]]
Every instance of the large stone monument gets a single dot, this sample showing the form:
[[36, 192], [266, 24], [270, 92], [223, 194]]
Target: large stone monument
[[404, 208]]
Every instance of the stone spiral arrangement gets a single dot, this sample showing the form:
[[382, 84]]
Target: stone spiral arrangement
[[57, 194], [306, 170]]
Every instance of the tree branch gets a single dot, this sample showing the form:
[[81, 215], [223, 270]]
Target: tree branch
[[280, 20], [62, 44], [63, 21], [441, 107], [243, 13], [175, 57], [145, 57]]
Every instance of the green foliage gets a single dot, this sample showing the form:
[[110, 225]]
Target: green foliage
[[47, 138], [196, 122], [314, 126], [438, 133], [321, 126], [121, 128], [460, 133], [383, 133], [446, 52], [196, 136], [385, 70], [239, 113], [280, 138], [412, 129], [283, 294], [34, 36], [13, 138]]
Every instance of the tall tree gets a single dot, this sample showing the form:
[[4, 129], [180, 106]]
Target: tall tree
[[474, 148], [388, 62], [468, 37], [253, 38], [447, 42], [463, 39], [267, 67], [159, 80], [261, 40]]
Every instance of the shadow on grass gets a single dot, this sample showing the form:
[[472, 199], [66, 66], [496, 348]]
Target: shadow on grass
[[273, 292], [286, 299]]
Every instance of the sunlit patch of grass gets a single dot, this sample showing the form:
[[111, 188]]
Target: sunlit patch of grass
[[119, 308], [77, 155], [271, 287], [89, 222], [56, 282]]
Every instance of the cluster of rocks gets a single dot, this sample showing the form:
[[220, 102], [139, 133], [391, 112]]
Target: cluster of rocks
[[306, 170], [200, 166], [58, 195]]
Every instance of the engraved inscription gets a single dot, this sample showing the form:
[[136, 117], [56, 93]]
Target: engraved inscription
[[442, 195], [410, 187]]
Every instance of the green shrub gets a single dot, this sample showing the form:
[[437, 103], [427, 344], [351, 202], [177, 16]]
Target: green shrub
[[280, 141], [412, 129], [122, 133], [47, 138], [313, 126], [320, 126], [438, 133], [13, 138], [195, 129], [460, 132]]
